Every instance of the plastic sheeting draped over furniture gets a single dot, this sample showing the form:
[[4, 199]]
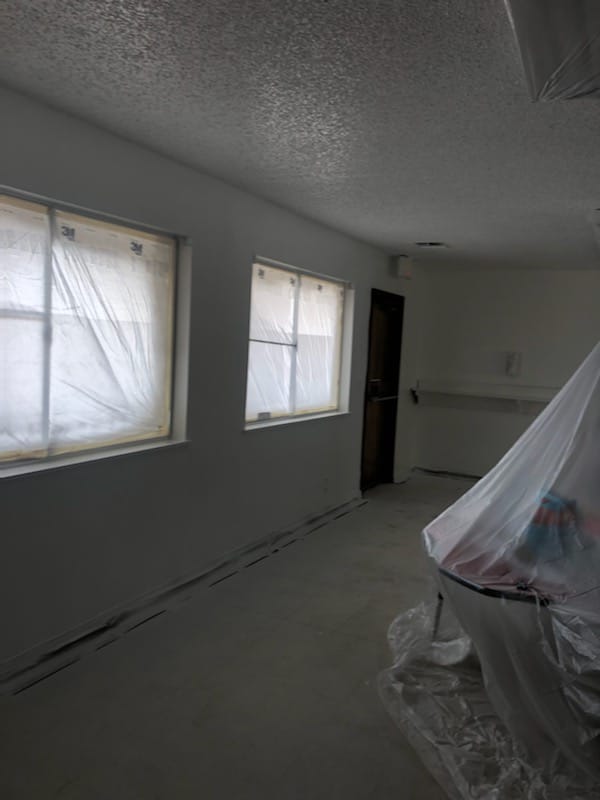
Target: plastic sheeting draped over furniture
[[559, 41], [517, 559]]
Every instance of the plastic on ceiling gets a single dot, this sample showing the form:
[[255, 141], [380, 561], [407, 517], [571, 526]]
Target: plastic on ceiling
[[560, 46]]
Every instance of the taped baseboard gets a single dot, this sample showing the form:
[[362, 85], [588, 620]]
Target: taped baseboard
[[40, 662], [440, 473]]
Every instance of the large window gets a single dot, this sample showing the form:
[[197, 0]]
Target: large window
[[295, 351], [86, 320]]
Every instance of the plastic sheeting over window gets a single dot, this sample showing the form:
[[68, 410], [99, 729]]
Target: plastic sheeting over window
[[295, 344], [85, 332], [517, 559], [559, 41]]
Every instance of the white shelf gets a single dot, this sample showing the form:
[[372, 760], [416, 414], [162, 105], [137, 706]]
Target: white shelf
[[488, 391]]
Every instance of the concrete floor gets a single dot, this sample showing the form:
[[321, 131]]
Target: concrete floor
[[262, 687]]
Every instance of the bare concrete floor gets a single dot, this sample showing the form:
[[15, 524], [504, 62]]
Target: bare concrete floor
[[262, 687]]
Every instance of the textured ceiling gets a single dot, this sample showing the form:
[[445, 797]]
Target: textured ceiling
[[393, 120]]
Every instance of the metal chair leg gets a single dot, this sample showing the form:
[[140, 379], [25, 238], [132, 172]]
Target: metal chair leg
[[438, 615]]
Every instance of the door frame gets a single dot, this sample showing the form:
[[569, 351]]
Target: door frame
[[387, 298]]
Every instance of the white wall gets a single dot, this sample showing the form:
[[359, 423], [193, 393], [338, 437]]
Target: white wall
[[469, 320], [81, 540]]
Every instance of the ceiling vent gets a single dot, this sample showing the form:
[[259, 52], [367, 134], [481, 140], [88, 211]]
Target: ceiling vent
[[559, 41]]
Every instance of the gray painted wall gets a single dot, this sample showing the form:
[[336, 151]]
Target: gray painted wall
[[83, 539], [471, 319]]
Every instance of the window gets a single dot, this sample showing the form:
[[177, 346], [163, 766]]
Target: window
[[295, 351], [86, 321]]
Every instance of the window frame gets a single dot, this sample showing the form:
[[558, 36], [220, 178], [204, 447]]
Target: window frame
[[345, 351], [178, 344]]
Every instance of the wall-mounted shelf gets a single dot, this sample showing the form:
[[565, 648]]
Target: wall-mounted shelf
[[509, 396]]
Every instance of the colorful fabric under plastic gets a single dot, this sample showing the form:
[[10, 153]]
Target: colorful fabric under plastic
[[435, 693]]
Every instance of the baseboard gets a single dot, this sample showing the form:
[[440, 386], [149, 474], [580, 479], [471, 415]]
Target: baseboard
[[446, 474], [40, 662]]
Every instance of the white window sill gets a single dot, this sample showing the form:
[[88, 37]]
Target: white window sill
[[276, 421], [71, 460]]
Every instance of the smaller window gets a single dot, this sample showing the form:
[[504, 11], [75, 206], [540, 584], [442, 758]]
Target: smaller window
[[295, 350]]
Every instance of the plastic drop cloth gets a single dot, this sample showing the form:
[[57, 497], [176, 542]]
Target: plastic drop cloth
[[517, 560], [435, 692], [559, 41]]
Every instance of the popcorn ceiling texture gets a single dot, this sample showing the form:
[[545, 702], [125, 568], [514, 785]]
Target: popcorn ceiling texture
[[393, 121]]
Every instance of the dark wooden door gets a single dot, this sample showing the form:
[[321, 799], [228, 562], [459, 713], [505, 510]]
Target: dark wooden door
[[381, 395]]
